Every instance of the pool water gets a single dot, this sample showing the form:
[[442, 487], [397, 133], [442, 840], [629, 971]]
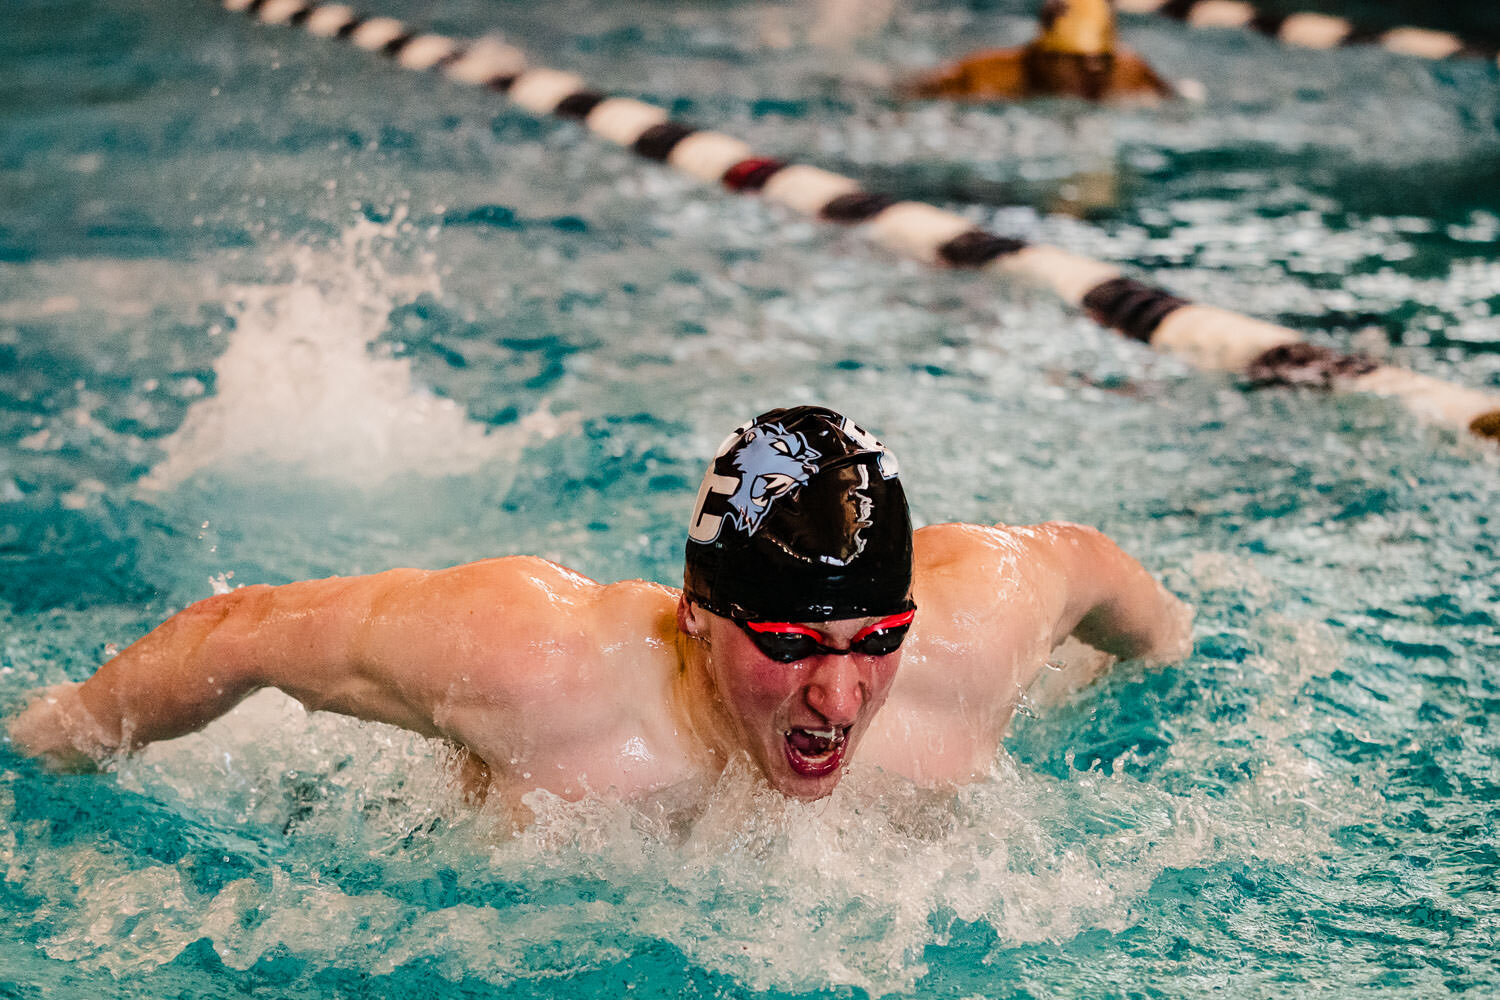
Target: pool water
[[272, 308]]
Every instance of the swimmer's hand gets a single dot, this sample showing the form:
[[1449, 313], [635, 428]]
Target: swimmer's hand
[[56, 729]]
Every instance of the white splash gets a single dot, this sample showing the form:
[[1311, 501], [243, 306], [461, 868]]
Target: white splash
[[300, 385]]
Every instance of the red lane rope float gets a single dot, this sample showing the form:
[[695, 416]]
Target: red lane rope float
[[1210, 338], [1313, 31]]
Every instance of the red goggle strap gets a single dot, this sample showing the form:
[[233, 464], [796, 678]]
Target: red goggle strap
[[790, 628], [783, 628], [890, 621]]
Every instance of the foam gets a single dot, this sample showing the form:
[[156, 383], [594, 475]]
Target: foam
[[844, 893], [301, 385]]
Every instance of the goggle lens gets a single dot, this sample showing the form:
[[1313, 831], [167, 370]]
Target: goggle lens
[[786, 642]]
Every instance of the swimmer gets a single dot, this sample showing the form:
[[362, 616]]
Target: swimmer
[[1074, 56], [813, 627]]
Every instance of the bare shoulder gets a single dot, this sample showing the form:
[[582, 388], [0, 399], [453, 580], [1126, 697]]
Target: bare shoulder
[[503, 578], [529, 612], [986, 609], [542, 630], [635, 612], [987, 567], [947, 546], [965, 574], [521, 652]]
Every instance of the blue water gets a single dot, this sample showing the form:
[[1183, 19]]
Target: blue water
[[271, 308]]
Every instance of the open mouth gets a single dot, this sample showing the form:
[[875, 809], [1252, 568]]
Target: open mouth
[[813, 753]]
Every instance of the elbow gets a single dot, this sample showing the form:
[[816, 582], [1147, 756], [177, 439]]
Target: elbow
[[1099, 631], [1127, 612], [1162, 634], [226, 647]]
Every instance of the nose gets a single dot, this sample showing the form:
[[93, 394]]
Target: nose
[[837, 691]]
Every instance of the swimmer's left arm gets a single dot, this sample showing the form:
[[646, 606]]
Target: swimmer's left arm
[[1106, 598]]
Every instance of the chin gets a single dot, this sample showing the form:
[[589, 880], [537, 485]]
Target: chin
[[807, 778], [806, 790]]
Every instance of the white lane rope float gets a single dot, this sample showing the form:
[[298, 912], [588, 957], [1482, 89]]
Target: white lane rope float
[[1209, 338], [1312, 30]]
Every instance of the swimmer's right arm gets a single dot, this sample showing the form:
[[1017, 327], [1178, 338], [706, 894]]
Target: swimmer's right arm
[[383, 648], [194, 667]]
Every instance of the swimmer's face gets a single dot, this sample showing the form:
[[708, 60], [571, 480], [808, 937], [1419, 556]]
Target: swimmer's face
[[799, 721]]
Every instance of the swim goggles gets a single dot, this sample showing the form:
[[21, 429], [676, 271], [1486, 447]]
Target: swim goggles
[[786, 642]]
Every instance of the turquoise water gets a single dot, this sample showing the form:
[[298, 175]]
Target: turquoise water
[[271, 308]]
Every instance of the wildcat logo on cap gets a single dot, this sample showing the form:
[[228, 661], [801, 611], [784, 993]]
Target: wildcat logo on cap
[[763, 463], [772, 462]]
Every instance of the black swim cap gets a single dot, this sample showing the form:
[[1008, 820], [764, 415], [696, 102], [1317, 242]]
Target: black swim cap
[[800, 518]]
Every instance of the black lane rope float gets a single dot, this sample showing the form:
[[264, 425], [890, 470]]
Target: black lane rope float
[[1210, 338], [1314, 31]]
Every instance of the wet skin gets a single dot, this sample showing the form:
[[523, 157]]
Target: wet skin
[[549, 680]]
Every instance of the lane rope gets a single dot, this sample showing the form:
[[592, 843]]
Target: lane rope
[[1314, 31], [1207, 337]]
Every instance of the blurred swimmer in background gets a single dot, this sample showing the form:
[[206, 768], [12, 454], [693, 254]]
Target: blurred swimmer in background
[[1075, 55]]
